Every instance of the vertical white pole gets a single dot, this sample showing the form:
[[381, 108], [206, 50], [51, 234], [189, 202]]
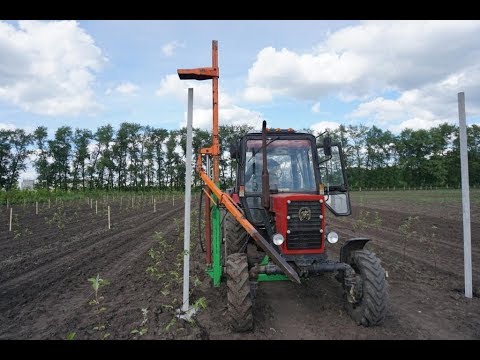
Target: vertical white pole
[[96, 208], [108, 214], [467, 241], [36, 207], [188, 182], [10, 226], [154, 206], [49, 203]]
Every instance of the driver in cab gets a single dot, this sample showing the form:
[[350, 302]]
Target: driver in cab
[[253, 176]]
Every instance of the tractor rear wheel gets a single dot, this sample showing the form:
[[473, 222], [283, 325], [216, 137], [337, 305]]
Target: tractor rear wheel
[[370, 305], [235, 236], [239, 293]]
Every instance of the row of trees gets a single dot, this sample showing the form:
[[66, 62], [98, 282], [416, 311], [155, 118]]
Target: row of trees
[[377, 158], [132, 157], [140, 157]]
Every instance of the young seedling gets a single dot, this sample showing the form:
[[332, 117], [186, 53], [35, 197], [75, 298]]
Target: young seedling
[[140, 332], [196, 282], [170, 324], [433, 250], [377, 222], [143, 329], [361, 223], [97, 283], [200, 304], [407, 232]]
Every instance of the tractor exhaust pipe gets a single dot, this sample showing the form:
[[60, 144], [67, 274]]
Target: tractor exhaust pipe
[[265, 176]]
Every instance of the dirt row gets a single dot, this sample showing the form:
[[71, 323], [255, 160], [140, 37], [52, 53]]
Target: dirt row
[[45, 292]]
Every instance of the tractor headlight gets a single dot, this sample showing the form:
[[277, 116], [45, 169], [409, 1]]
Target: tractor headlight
[[332, 237], [278, 239]]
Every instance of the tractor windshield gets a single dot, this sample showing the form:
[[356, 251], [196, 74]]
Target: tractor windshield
[[289, 163]]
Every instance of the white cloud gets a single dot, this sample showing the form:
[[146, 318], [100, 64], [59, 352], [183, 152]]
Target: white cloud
[[316, 108], [125, 88], [92, 147], [28, 174], [414, 124], [10, 126], [171, 85], [321, 126], [229, 113], [7, 126], [256, 94], [422, 65], [232, 115], [48, 67], [169, 48], [381, 109], [424, 107], [304, 76]]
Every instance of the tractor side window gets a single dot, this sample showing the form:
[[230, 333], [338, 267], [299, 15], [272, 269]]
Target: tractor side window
[[331, 171], [332, 177]]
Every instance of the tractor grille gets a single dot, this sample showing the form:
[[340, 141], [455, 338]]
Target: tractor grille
[[304, 234]]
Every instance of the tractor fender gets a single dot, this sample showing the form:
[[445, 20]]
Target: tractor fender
[[350, 246]]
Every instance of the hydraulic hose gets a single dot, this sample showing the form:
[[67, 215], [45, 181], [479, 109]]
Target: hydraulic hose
[[200, 220]]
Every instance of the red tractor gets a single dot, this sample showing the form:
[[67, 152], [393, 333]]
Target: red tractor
[[286, 201]]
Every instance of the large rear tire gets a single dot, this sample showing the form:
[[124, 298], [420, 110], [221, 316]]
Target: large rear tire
[[371, 306], [236, 236], [239, 293]]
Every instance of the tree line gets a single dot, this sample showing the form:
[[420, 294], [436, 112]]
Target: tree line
[[413, 158], [141, 157], [130, 157]]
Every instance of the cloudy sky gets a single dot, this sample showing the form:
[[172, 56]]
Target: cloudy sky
[[300, 74]]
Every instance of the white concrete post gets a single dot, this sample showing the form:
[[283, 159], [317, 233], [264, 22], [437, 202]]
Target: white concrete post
[[467, 240], [188, 184]]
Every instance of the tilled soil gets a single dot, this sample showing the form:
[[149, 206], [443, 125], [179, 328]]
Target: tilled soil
[[45, 292]]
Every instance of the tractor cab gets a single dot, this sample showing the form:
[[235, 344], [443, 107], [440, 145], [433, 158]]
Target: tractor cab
[[295, 165]]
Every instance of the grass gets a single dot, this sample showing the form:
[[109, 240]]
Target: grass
[[18, 197], [417, 197]]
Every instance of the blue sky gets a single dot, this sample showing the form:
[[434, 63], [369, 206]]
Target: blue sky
[[300, 74]]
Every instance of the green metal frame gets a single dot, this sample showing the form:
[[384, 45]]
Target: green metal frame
[[215, 271], [272, 277]]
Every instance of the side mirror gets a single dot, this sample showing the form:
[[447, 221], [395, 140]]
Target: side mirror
[[327, 146], [233, 151]]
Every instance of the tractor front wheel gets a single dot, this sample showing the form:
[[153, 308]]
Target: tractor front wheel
[[235, 236], [239, 293], [370, 299]]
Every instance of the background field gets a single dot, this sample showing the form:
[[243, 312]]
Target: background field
[[47, 259]]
